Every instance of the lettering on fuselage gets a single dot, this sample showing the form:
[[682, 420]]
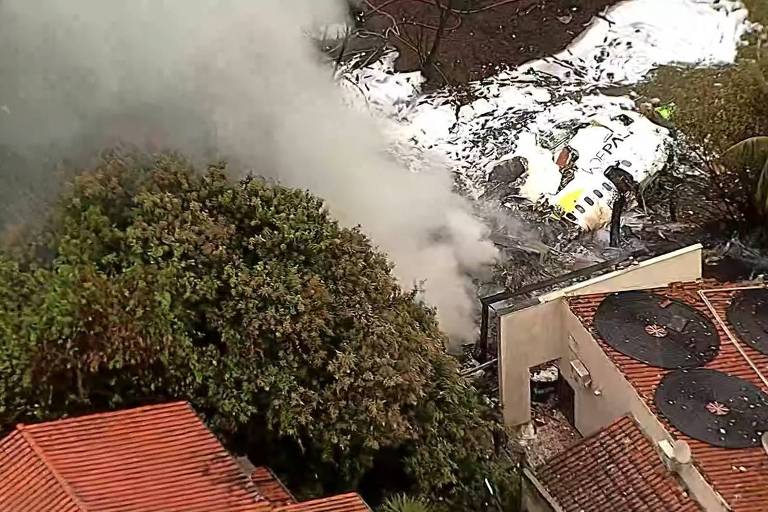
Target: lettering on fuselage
[[611, 143]]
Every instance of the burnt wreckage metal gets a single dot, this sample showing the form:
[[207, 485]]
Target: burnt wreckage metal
[[520, 299]]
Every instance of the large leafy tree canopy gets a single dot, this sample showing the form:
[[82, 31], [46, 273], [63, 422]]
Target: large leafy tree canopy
[[285, 330]]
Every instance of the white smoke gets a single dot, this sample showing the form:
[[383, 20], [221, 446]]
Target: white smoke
[[238, 80]]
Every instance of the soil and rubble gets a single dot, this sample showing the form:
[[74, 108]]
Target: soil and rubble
[[549, 434]]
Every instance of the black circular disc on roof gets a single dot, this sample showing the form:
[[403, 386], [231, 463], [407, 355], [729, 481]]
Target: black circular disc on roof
[[748, 314], [655, 330], [714, 407]]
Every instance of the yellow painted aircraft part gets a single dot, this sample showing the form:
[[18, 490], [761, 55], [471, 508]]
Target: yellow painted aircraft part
[[568, 201]]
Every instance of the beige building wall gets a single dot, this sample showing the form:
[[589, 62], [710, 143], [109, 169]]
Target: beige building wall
[[611, 396], [681, 265], [531, 336], [536, 335], [550, 331]]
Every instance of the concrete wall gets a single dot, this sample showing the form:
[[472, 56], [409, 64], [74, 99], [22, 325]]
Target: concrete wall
[[610, 395], [530, 337], [681, 265], [616, 397]]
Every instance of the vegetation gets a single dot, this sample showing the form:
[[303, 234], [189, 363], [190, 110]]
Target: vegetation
[[737, 181], [738, 184], [724, 116], [285, 330], [719, 107], [716, 108], [402, 503]]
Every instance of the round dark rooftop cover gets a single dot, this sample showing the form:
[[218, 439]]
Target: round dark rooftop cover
[[714, 407], [748, 314], [656, 330]]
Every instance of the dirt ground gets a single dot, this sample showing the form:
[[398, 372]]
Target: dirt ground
[[480, 36]]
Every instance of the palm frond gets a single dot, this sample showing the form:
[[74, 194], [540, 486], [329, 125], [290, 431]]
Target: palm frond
[[403, 503], [748, 154], [761, 190], [750, 158]]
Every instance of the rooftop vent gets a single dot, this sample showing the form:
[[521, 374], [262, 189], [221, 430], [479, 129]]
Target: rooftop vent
[[676, 454], [714, 407], [656, 330]]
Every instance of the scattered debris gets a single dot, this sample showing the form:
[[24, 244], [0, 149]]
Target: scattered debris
[[544, 132], [549, 373], [666, 111], [549, 433], [544, 382]]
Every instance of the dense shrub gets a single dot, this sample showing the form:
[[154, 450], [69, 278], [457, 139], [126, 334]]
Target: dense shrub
[[287, 332]]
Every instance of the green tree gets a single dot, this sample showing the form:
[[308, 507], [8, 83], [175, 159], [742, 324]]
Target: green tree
[[285, 330]]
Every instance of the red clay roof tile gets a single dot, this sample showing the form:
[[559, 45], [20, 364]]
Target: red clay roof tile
[[615, 469], [271, 487], [351, 502], [157, 458], [26, 483], [740, 476]]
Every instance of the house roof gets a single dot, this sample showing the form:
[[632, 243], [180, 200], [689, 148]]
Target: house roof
[[739, 475], [26, 483], [271, 487], [350, 502], [281, 498], [615, 469], [149, 459]]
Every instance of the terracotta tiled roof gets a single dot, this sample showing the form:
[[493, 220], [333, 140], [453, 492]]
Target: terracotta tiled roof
[[159, 458], [156, 458], [740, 476], [26, 483], [275, 492], [271, 487], [342, 503], [613, 470]]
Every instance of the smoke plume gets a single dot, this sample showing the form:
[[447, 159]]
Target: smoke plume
[[236, 80]]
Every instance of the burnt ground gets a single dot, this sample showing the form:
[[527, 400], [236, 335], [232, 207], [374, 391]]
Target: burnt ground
[[480, 36]]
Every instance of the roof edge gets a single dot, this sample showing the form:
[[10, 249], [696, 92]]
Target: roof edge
[[277, 480], [695, 275], [118, 412], [542, 490], [68, 490], [319, 502]]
